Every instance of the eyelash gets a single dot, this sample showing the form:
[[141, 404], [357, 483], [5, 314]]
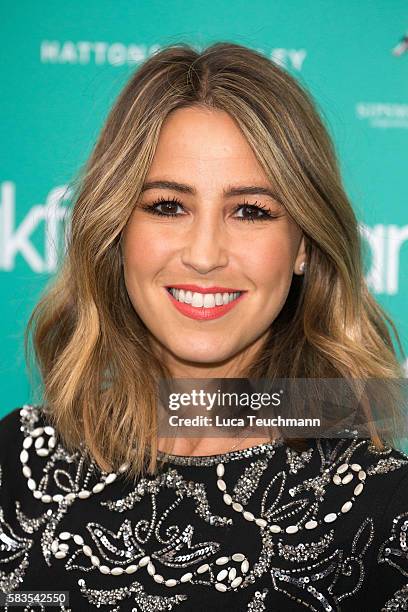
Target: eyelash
[[151, 208]]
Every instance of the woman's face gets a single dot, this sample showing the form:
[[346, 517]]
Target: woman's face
[[212, 238]]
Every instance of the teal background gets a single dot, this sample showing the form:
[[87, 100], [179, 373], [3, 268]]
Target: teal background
[[52, 110]]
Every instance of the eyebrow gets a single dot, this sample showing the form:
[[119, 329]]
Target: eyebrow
[[230, 191]]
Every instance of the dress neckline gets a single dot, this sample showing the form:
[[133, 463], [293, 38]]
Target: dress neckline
[[267, 448]]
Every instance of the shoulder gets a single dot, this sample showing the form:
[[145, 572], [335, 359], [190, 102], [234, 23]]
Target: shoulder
[[359, 454], [26, 437], [376, 481], [10, 433], [16, 425], [35, 466], [382, 469]]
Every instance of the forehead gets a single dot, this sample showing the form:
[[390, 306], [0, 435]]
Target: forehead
[[207, 143]]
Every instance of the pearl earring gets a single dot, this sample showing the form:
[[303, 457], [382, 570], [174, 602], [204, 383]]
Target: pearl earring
[[302, 267]]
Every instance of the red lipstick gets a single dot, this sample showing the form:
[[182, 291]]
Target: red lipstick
[[204, 314]]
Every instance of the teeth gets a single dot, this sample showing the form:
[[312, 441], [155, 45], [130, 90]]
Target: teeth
[[198, 300], [203, 300]]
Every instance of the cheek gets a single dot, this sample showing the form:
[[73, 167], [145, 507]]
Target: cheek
[[269, 260], [145, 250]]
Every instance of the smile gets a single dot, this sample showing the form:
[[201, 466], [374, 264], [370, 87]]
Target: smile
[[203, 304]]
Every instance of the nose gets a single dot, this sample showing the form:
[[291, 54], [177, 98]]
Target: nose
[[205, 247]]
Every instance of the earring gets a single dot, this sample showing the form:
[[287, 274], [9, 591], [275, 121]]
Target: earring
[[302, 267]]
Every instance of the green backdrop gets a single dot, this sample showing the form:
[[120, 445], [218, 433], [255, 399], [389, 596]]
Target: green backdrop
[[64, 63]]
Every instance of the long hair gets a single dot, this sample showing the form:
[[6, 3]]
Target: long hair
[[98, 372]]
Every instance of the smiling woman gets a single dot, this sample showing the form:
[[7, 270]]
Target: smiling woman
[[211, 238], [216, 231]]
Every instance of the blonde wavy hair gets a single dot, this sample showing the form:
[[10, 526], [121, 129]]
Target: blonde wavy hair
[[98, 372]]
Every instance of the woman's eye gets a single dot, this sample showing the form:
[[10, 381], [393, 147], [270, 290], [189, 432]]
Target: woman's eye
[[164, 207], [243, 212], [250, 212]]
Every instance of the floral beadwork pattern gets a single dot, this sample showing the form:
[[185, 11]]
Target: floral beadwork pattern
[[263, 528], [394, 552]]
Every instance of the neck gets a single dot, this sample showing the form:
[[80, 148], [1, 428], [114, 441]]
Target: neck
[[208, 446]]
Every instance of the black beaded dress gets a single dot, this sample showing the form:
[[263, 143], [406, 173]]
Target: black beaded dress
[[267, 528]]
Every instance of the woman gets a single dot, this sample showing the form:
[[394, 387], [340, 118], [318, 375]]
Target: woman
[[211, 238]]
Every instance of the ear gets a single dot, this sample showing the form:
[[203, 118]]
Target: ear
[[301, 255]]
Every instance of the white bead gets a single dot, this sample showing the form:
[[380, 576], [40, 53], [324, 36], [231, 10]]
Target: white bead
[[329, 518], [346, 507], [227, 499], [221, 485], [203, 568], [238, 557], [186, 577], [221, 575], [54, 546], [244, 566], [63, 546], [248, 515], [37, 494], [151, 570], [236, 582], [87, 550], [292, 529], [131, 569], [84, 494], [123, 468], [70, 496], [158, 578], [26, 471], [95, 561], [220, 587], [261, 522], [104, 569], [144, 561], [342, 468], [52, 442], [362, 475], [232, 574], [311, 524], [337, 479], [359, 488], [24, 456], [49, 430], [39, 442], [116, 571], [37, 432], [46, 499], [237, 506], [98, 487], [347, 478], [275, 529], [78, 540], [356, 467], [27, 442], [57, 497], [64, 535], [171, 582], [111, 478], [60, 554], [221, 561], [220, 470], [42, 452]]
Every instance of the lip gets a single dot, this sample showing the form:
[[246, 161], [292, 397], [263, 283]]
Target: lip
[[203, 314], [198, 289]]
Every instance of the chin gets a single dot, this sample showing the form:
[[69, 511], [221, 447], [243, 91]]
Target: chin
[[201, 354]]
